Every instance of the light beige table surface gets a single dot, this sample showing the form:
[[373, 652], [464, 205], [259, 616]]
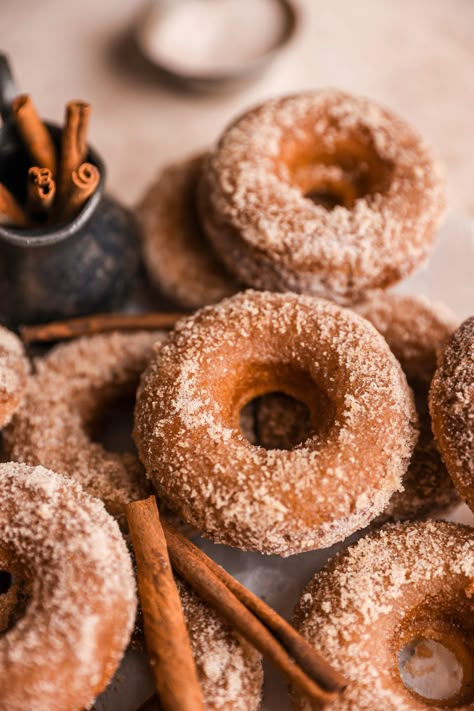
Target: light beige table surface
[[417, 56]]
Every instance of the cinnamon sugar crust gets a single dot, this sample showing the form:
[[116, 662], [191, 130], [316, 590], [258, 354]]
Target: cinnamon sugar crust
[[187, 422], [405, 582], [67, 644], [70, 387], [229, 669], [14, 370], [179, 259], [452, 408], [416, 330], [261, 191]]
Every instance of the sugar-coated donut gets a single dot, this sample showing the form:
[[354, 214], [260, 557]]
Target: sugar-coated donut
[[260, 188], [406, 582], [187, 422], [14, 371], [179, 259], [416, 330], [70, 388], [68, 641], [452, 409]]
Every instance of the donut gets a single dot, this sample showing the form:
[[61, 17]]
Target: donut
[[452, 409], [412, 581], [14, 371], [416, 330], [69, 639], [321, 193], [187, 422], [178, 257], [72, 385]]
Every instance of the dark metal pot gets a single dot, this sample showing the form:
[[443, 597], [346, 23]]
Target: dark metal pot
[[83, 266]]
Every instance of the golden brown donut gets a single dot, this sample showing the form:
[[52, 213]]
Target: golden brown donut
[[416, 330], [71, 387], [452, 409], [406, 582], [14, 371], [179, 259], [65, 645], [321, 193], [187, 422]]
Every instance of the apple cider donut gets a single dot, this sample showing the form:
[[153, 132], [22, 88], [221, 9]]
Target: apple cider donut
[[416, 330], [274, 501], [179, 259], [452, 409], [67, 642], [407, 582], [14, 371], [321, 193], [64, 399]]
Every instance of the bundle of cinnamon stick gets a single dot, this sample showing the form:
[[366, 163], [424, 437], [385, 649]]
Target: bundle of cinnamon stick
[[57, 186], [160, 549]]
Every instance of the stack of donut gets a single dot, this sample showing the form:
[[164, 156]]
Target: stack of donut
[[300, 403]]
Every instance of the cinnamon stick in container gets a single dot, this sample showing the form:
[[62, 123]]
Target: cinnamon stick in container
[[11, 213], [41, 191], [34, 133], [83, 184], [167, 639], [73, 143]]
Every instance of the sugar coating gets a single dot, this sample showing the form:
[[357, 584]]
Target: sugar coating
[[229, 669], [452, 408], [416, 330], [272, 237], [64, 397], [65, 648], [177, 254], [188, 436], [356, 609], [14, 369]]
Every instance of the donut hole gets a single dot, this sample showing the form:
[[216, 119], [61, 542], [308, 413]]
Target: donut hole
[[276, 421], [337, 174], [278, 406], [112, 423], [14, 596], [435, 672], [6, 580]]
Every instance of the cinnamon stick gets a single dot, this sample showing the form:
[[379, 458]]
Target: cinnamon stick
[[83, 184], [299, 648], [321, 687], [11, 213], [41, 191], [34, 133], [73, 144], [97, 323], [167, 639]]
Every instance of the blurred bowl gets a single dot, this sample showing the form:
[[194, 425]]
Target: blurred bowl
[[219, 79]]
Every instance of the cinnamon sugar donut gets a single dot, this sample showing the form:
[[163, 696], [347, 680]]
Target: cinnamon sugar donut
[[14, 371], [187, 422], [407, 582], [416, 330], [70, 388], [68, 641], [267, 191], [178, 257], [452, 409]]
